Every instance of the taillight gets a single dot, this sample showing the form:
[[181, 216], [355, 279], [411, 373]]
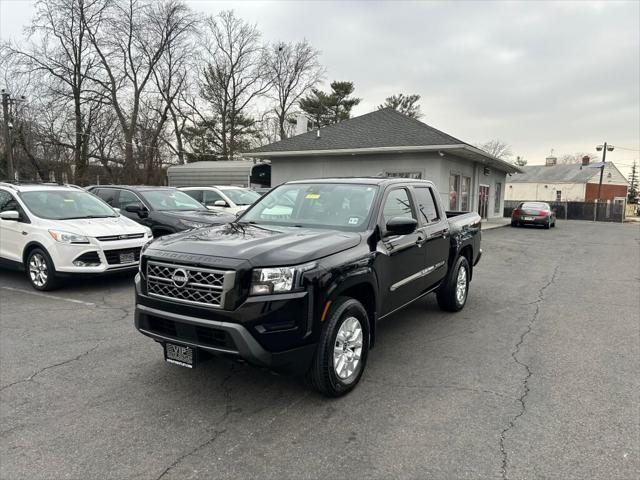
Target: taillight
[[542, 213], [515, 212]]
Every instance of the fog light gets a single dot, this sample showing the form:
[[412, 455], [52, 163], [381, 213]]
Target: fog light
[[80, 263], [261, 289]]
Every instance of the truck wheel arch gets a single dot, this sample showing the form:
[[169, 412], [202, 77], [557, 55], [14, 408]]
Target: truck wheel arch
[[361, 288], [467, 252]]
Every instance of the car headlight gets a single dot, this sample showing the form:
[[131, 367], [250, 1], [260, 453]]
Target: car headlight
[[67, 237], [266, 281], [190, 224], [149, 233]]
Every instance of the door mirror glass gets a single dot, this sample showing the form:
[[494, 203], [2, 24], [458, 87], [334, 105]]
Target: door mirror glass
[[12, 215], [401, 226]]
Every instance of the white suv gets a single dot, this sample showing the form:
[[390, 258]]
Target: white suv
[[52, 231], [234, 200]]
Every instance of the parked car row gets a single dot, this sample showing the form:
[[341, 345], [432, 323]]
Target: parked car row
[[52, 231]]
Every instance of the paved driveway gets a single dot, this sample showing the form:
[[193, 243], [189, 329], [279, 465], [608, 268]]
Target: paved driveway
[[536, 378]]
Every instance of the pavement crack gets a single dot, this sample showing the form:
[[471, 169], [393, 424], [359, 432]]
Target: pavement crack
[[48, 367], [528, 373], [194, 450]]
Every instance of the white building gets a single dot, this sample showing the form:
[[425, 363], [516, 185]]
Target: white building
[[386, 142]]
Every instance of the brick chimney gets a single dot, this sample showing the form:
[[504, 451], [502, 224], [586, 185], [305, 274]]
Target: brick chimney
[[585, 160], [550, 161]]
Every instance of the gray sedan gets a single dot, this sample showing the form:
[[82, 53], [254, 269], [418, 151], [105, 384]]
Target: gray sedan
[[533, 213]]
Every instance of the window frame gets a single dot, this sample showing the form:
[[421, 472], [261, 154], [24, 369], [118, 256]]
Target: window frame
[[22, 211]]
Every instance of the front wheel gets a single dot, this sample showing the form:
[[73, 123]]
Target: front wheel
[[40, 270], [342, 351], [452, 294]]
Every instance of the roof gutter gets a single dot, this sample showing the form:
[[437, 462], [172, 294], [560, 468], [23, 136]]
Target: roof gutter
[[508, 167]]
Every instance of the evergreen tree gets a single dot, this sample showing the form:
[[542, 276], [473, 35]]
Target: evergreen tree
[[329, 108], [633, 183], [407, 105]]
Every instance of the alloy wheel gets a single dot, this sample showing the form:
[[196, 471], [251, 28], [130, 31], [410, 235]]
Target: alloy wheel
[[461, 285], [347, 350], [38, 271]]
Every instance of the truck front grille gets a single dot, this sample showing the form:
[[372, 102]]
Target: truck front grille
[[186, 284]]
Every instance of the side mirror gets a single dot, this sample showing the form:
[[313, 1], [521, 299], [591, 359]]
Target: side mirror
[[401, 226], [220, 203], [11, 215], [135, 208]]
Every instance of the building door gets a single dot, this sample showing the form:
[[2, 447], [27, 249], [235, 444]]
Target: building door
[[483, 200]]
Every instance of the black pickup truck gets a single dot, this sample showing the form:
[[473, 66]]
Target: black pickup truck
[[298, 282]]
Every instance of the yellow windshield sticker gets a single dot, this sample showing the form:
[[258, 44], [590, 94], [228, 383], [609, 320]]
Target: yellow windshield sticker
[[71, 200], [312, 196]]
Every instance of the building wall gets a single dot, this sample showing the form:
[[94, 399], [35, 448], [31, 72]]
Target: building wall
[[431, 166], [611, 176], [609, 192], [571, 192]]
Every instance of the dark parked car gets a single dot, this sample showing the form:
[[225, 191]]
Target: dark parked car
[[299, 281], [164, 210], [533, 213]]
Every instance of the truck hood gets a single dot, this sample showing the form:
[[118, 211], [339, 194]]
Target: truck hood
[[97, 227], [260, 245]]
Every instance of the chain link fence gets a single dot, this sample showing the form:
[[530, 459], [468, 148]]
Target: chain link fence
[[595, 212]]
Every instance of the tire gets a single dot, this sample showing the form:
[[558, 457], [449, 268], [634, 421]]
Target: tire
[[447, 294], [514, 224], [40, 270], [553, 225], [327, 374], [547, 225]]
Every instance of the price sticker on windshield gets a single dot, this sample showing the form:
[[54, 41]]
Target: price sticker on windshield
[[312, 196]]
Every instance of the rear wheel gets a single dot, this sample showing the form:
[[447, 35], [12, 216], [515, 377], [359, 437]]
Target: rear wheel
[[452, 294], [547, 225], [342, 351], [40, 270]]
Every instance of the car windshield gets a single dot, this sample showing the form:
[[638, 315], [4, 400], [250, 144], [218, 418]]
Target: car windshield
[[241, 196], [66, 204], [535, 205], [331, 205], [164, 200]]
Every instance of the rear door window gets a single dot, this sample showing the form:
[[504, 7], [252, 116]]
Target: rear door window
[[426, 205]]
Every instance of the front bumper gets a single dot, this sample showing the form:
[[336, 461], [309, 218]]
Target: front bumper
[[219, 338], [63, 255], [272, 331]]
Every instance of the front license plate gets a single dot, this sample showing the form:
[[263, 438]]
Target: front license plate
[[180, 355], [529, 218], [127, 257]]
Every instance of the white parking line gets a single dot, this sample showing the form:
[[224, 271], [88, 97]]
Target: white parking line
[[46, 295]]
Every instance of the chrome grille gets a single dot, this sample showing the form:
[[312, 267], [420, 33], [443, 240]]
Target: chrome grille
[[202, 286]]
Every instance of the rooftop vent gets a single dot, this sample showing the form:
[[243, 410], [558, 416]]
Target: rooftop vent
[[550, 161]]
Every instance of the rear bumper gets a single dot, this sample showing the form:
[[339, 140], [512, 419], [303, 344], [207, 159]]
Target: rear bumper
[[220, 338], [535, 221]]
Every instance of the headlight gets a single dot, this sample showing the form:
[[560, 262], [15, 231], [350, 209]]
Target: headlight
[[190, 224], [67, 237], [272, 280], [149, 233], [266, 281]]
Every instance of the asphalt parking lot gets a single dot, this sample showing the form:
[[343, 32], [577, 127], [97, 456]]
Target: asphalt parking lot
[[536, 378]]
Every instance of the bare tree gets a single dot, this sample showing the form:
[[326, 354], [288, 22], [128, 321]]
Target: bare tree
[[520, 161], [59, 55], [236, 75], [496, 148], [577, 157], [293, 69], [136, 36]]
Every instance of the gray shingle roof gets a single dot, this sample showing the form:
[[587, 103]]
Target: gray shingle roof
[[570, 173], [382, 128]]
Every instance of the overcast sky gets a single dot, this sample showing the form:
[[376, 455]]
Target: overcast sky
[[536, 74]]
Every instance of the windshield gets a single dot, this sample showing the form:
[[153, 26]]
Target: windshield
[[164, 200], [241, 196], [66, 204], [314, 205]]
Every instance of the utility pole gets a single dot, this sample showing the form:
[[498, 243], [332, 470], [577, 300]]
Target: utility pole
[[7, 135], [604, 148]]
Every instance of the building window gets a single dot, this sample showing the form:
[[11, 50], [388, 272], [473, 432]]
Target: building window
[[454, 191], [414, 175], [498, 197], [558, 195], [464, 194]]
